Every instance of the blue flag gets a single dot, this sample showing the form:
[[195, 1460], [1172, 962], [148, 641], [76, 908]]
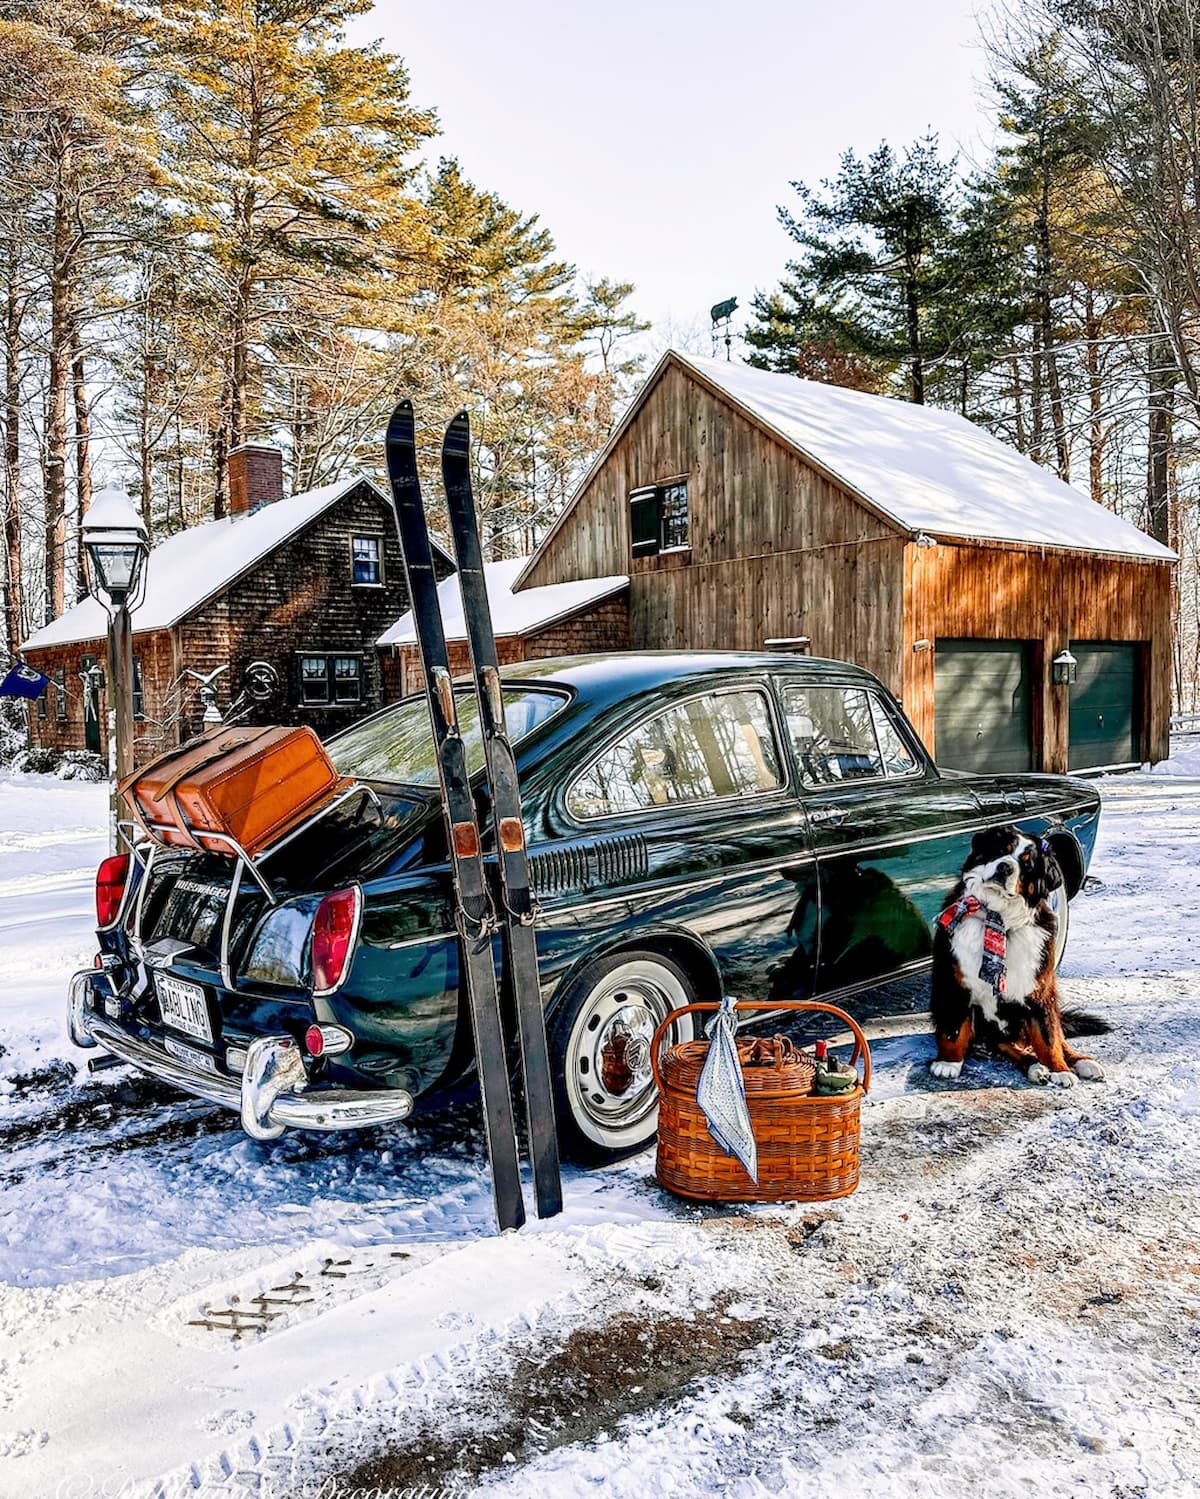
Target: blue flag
[[23, 681]]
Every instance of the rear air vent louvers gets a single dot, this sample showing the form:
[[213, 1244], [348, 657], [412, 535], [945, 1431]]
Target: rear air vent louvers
[[560, 869], [619, 860], [584, 866]]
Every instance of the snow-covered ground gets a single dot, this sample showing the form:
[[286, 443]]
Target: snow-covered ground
[[1009, 1304]]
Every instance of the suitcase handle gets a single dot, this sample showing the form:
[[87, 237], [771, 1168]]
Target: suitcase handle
[[861, 1049]]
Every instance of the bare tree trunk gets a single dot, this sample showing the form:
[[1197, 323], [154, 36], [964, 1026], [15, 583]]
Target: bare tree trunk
[[1160, 388], [1091, 360], [14, 612], [83, 457], [1018, 400], [55, 535]]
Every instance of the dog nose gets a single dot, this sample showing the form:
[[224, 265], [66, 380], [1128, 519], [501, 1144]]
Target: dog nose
[[1005, 869]]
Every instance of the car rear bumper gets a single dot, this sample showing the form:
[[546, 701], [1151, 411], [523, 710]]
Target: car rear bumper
[[272, 1093]]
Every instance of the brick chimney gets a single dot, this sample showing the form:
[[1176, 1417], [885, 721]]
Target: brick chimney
[[255, 477]]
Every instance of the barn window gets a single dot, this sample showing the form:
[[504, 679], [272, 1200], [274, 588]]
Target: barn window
[[366, 554], [60, 693], [658, 518]]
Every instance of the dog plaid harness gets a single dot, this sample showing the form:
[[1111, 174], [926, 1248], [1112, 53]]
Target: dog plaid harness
[[991, 967]]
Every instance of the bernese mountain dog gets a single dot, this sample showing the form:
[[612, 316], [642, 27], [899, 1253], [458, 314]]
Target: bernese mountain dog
[[994, 979]]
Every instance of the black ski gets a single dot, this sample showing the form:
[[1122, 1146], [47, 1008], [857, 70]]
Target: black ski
[[517, 893], [475, 917]]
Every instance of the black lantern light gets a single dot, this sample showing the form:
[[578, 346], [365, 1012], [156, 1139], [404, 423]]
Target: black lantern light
[[115, 537], [1064, 669]]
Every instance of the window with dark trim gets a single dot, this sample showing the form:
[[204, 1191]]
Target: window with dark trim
[[366, 556], [43, 703], [139, 693], [60, 693], [658, 518], [331, 679]]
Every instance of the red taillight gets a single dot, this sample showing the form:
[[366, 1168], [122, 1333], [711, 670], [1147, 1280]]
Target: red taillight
[[333, 936], [110, 887], [314, 1041]]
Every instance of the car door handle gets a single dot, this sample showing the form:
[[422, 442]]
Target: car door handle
[[830, 817]]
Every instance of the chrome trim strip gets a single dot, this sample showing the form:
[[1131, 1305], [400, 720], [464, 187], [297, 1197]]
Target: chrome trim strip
[[420, 941], [235, 885], [804, 856]]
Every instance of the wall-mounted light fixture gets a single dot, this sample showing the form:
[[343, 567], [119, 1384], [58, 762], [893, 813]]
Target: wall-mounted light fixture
[[1064, 669], [923, 539]]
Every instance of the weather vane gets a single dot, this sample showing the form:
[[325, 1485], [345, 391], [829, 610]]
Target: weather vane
[[722, 314]]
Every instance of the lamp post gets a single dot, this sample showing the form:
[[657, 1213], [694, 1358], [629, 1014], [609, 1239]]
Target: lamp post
[[114, 537]]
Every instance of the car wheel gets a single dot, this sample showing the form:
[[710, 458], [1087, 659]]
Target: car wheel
[[600, 1051], [1059, 903]]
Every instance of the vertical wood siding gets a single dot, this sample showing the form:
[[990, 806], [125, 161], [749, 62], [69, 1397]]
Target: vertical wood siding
[[777, 550], [1047, 598]]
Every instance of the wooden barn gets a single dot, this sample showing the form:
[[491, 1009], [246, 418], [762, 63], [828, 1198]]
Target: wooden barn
[[289, 594], [751, 508]]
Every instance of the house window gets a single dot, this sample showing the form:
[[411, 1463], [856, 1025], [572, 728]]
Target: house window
[[314, 679], [139, 693], [367, 558], [658, 518], [331, 679], [347, 679], [60, 693], [43, 705]]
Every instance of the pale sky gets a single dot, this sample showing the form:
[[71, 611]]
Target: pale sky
[[655, 139]]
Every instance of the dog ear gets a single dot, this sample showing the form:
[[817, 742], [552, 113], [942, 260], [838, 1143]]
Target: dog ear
[[1053, 869]]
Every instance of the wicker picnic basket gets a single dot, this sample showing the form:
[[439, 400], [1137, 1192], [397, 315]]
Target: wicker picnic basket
[[807, 1143]]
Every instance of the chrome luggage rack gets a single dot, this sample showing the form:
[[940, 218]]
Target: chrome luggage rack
[[144, 848]]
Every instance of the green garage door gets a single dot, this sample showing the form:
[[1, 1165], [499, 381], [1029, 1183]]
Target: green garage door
[[1103, 702], [982, 718]]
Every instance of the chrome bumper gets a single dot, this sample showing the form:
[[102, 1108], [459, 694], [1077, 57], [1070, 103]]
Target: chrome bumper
[[269, 1097]]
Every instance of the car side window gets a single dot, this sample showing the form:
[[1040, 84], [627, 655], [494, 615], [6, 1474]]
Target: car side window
[[711, 747], [844, 734], [898, 758]]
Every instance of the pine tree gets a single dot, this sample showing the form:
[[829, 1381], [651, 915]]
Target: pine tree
[[872, 272], [293, 151]]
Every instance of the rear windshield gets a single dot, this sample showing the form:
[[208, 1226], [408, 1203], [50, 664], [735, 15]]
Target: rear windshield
[[398, 745]]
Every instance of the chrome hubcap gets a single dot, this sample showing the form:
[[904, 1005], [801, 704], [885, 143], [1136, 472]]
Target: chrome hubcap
[[608, 1074]]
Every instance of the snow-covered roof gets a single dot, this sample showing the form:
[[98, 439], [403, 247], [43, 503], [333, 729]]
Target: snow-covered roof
[[924, 468], [193, 565], [512, 613]]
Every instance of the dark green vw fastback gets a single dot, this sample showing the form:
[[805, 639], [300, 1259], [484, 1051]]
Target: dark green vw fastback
[[766, 826]]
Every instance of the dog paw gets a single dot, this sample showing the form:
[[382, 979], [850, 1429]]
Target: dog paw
[[1038, 1073], [945, 1069], [1063, 1079], [1090, 1070]]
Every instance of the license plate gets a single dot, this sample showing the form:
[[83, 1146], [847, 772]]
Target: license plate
[[183, 1006], [191, 1055]]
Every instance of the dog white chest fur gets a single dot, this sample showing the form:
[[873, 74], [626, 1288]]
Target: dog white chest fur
[[1025, 950]]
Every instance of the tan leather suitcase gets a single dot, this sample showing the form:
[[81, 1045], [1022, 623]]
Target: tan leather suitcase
[[249, 785]]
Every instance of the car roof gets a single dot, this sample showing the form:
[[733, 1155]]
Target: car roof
[[627, 673]]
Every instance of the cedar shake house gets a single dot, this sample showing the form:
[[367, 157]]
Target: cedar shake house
[[755, 510], [289, 594]]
